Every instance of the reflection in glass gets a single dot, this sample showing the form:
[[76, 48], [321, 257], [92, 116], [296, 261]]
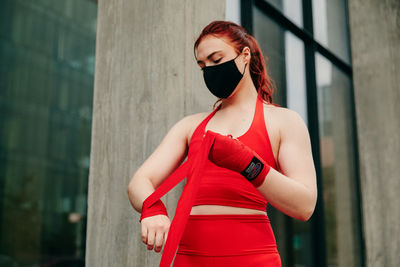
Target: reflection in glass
[[330, 26], [338, 166], [46, 86], [295, 75], [292, 9], [232, 11], [270, 37]]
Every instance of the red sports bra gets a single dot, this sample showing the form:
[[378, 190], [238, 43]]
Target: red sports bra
[[210, 184], [220, 186]]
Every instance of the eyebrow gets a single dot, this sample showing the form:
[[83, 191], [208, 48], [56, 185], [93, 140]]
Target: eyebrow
[[209, 56]]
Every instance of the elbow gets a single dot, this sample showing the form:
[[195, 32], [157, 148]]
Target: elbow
[[301, 213], [305, 215], [130, 188], [307, 210]]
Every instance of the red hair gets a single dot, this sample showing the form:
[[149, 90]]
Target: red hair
[[239, 38]]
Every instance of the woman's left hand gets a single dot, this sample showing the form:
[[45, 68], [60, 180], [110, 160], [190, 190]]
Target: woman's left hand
[[230, 153]]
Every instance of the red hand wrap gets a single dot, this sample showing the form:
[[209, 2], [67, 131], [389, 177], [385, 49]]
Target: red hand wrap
[[157, 208], [232, 154], [193, 169]]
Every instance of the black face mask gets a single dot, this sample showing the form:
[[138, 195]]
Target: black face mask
[[223, 78]]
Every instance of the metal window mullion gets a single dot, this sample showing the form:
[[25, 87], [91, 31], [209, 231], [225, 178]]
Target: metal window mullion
[[305, 33], [318, 219], [246, 15]]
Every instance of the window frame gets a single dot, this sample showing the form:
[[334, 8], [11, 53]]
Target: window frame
[[312, 47]]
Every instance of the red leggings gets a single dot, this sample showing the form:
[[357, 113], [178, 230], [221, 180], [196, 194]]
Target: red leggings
[[233, 240]]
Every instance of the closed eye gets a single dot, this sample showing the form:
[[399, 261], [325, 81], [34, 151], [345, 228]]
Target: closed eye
[[215, 61], [218, 60]]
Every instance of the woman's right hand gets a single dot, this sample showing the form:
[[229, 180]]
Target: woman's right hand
[[155, 231]]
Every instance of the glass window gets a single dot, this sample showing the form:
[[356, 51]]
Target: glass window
[[46, 93], [270, 37], [232, 11], [338, 166], [295, 75], [284, 54], [330, 26], [292, 9], [285, 58]]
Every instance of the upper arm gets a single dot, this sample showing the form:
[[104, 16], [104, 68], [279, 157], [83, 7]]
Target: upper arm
[[168, 155], [295, 154]]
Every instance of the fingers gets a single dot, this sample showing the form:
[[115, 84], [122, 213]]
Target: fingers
[[156, 240], [154, 234], [159, 241], [144, 234], [150, 239]]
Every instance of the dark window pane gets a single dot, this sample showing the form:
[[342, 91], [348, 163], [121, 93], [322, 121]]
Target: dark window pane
[[271, 40], [292, 9], [46, 92], [330, 26], [338, 166]]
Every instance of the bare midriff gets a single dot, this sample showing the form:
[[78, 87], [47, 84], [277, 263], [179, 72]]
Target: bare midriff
[[218, 209]]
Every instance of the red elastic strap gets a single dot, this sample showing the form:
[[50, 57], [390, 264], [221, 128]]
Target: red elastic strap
[[186, 201], [157, 208], [192, 169], [261, 177], [232, 154], [166, 186]]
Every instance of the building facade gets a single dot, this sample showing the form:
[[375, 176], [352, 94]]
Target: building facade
[[47, 55], [88, 89]]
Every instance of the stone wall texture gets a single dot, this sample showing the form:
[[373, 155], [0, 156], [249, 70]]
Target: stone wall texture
[[375, 43], [146, 80]]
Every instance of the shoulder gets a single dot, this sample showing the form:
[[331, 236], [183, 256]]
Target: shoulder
[[192, 120], [286, 121], [189, 123], [282, 112]]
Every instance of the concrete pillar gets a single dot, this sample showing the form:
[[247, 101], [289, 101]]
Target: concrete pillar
[[375, 42], [146, 79]]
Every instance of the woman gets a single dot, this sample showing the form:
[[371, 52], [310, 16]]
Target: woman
[[246, 140]]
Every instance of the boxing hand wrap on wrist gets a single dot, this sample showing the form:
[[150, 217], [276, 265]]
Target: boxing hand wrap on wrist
[[232, 154], [256, 171], [156, 209]]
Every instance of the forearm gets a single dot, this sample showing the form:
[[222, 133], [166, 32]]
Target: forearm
[[288, 195], [139, 189]]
